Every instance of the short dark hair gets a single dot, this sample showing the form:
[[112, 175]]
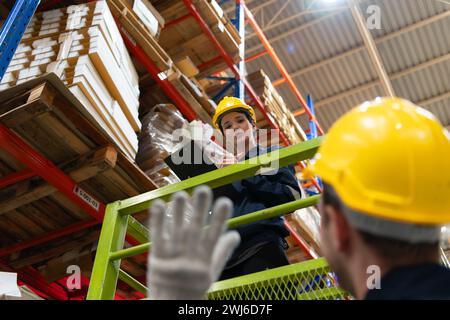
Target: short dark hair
[[385, 247]]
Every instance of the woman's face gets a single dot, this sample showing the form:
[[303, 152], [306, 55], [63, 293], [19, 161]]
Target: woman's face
[[237, 127], [235, 121]]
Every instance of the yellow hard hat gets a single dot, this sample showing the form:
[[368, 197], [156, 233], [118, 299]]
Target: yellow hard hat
[[229, 104], [390, 159]]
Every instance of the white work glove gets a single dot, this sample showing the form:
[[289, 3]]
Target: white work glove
[[186, 258]]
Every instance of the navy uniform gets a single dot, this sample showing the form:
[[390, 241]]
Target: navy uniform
[[421, 282], [262, 243]]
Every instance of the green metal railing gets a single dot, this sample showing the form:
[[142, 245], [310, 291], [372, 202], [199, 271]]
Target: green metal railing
[[118, 222], [309, 280]]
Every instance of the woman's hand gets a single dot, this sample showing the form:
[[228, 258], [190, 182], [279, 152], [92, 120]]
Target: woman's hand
[[186, 258]]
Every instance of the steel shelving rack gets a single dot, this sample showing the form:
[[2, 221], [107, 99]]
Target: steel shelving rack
[[10, 35], [37, 165]]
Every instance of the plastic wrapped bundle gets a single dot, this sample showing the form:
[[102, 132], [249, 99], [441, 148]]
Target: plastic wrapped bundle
[[211, 142], [164, 177], [156, 142]]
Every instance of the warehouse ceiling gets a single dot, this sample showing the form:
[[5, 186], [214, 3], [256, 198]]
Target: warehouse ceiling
[[319, 43], [322, 48]]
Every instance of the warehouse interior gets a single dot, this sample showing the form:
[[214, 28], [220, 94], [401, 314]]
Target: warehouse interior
[[92, 90]]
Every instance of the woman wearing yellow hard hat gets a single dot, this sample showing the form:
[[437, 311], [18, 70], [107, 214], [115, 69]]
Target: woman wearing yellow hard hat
[[386, 172], [237, 121], [262, 243]]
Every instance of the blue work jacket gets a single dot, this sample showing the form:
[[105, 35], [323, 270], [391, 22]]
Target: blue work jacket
[[260, 192]]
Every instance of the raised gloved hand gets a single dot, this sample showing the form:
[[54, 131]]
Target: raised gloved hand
[[185, 257]]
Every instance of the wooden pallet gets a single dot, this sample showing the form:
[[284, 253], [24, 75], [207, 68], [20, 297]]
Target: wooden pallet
[[45, 114], [201, 104], [306, 221]]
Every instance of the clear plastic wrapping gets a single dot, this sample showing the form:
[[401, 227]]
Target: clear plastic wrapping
[[163, 132], [210, 141], [156, 142]]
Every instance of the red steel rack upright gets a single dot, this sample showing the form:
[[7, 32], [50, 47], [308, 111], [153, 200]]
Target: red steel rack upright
[[38, 165]]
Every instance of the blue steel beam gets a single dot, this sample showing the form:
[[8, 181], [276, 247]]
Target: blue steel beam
[[311, 135], [13, 30], [312, 125], [224, 90], [239, 23], [220, 78]]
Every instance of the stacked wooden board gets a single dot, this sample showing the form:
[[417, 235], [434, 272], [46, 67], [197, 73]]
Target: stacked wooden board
[[83, 46], [276, 108], [48, 117], [186, 38]]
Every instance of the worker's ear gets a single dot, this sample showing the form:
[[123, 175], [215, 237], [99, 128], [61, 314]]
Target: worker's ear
[[339, 229]]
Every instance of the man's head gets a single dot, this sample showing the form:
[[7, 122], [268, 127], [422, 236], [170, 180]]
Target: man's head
[[237, 121], [387, 188], [352, 240]]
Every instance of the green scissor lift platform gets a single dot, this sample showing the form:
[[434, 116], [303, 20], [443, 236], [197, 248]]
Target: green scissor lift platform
[[307, 280]]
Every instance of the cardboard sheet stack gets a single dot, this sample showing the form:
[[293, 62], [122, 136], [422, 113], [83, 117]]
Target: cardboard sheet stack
[[144, 10], [276, 107], [83, 46], [138, 32], [307, 221], [155, 142], [186, 38]]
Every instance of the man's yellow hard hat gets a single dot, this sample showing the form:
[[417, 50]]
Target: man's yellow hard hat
[[230, 104], [390, 159]]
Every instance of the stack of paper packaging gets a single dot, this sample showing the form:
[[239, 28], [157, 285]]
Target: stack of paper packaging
[[276, 108], [83, 46]]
